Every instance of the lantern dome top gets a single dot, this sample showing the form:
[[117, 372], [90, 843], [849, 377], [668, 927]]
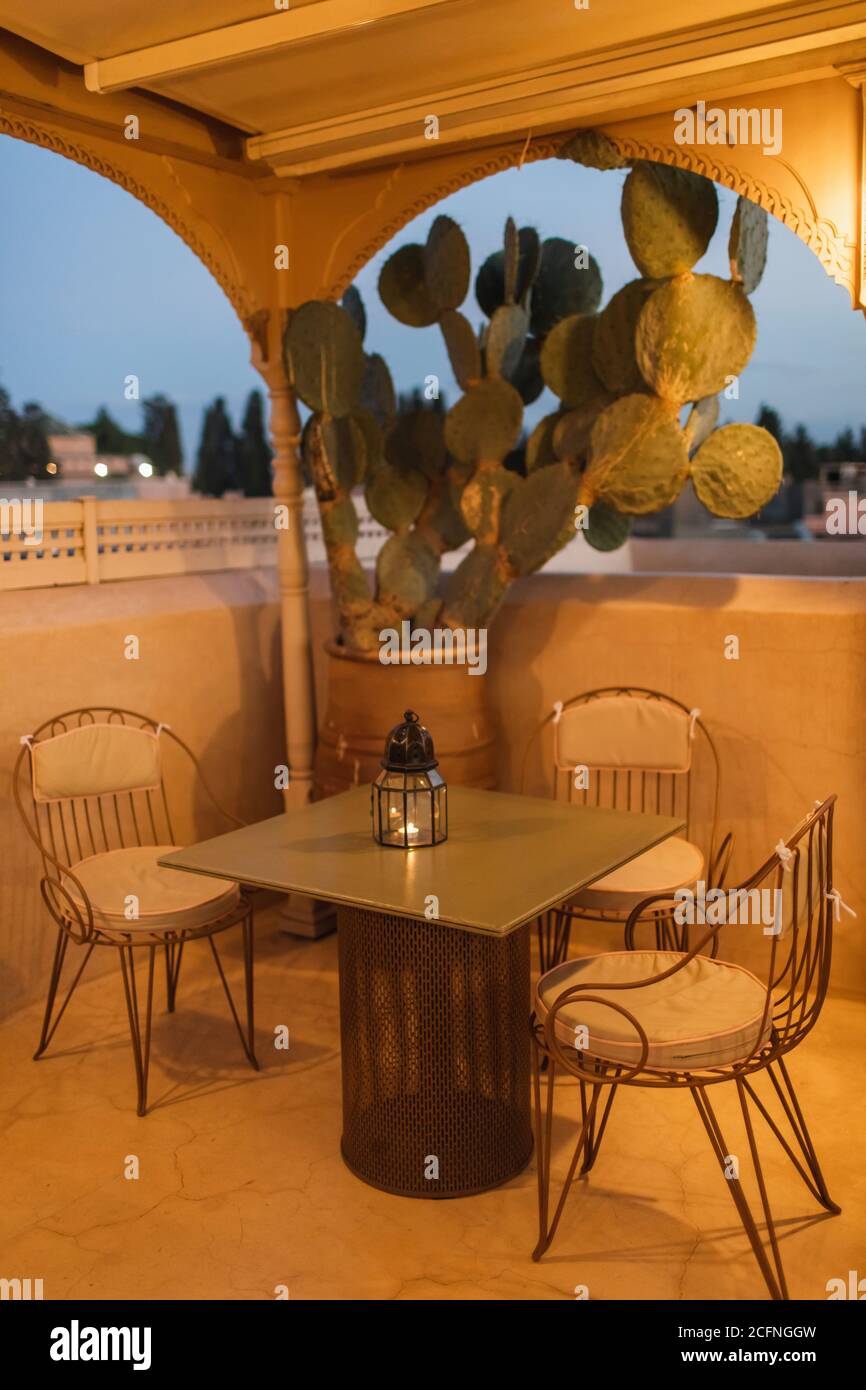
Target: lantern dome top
[[409, 746]]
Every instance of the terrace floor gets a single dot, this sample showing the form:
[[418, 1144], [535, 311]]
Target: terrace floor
[[242, 1188]]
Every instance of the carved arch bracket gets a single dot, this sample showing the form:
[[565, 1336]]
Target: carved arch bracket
[[838, 256], [35, 134]]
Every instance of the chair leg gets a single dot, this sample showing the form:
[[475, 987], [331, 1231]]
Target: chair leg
[[595, 1130], [140, 1042], [811, 1174], [173, 957], [554, 932], [247, 1038], [543, 1133], [773, 1277], [49, 1025]]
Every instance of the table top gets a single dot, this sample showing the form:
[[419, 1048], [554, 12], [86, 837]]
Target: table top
[[507, 857]]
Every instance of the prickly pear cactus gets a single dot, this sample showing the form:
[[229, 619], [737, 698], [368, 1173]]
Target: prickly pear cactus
[[612, 448]]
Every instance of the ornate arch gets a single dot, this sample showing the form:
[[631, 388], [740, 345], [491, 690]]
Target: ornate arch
[[837, 255], [35, 134]]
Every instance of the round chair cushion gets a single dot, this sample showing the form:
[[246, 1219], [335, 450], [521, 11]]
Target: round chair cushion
[[168, 899], [709, 1013], [675, 863]]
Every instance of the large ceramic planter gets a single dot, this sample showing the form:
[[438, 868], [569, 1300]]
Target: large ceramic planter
[[365, 700]]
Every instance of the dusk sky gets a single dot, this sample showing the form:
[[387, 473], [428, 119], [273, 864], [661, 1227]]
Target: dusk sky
[[94, 287]]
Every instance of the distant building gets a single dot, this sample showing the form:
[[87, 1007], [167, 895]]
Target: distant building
[[76, 459]]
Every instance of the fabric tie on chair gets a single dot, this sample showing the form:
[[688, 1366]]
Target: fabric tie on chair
[[835, 897]]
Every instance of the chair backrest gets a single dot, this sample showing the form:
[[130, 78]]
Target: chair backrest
[[632, 749], [94, 782], [799, 875]]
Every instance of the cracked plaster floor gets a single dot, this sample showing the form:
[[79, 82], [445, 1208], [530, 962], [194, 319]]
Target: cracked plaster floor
[[242, 1189]]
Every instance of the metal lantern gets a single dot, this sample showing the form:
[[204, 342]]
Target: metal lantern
[[409, 798]]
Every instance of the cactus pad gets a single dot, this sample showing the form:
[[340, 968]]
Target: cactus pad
[[446, 264], [395, 496], [354, 307], [694, 334], [737, 470], [474, 591], [526, 377], [747, 244], [339, 523], [485, 423], [594, 149], [560, 288], [505, 338], [539, 446], [567, 361], [638, 460], [668, 216], [464, 353], [606, 529], [482, 498], [403, 288], [574, 429], [703, 417], [490, 280], [377, 389], [417, 440], [324, 357], [613, 341], [406, 573], [538, 518]]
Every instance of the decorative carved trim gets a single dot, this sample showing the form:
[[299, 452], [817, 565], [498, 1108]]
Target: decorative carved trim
[[837, 255], [35, 134]]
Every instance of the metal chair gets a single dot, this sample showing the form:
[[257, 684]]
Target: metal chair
[[89, 787], [631, 749], [694, 1022]]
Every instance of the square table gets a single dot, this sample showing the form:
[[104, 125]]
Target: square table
[[434, 965]]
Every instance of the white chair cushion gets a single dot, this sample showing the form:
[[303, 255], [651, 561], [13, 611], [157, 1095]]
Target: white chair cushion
[[708, 1014], [168, 899], [95, 759], [675, 863], [624, 731]]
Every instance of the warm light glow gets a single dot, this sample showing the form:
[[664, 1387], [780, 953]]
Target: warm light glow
[[51, 468], [101, 470], [146, 469]]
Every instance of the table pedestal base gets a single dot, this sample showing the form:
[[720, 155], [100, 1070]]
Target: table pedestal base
[[435, 1054]]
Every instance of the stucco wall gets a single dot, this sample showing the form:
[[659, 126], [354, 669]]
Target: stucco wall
[[787, 716]]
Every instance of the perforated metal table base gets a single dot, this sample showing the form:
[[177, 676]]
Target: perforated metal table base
[[435, 1054]]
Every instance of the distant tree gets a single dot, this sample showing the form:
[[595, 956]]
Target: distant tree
[[801, 456], [161, 435], [770, 420], [216, 467], [111, 438], [10, 439], [34, 449], [844, 449], [254, 451]]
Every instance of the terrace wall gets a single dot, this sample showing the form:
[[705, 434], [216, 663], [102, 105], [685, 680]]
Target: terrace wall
[[787, 716]]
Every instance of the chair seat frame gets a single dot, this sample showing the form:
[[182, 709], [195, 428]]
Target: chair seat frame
[[107, 824], [795, 992]]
